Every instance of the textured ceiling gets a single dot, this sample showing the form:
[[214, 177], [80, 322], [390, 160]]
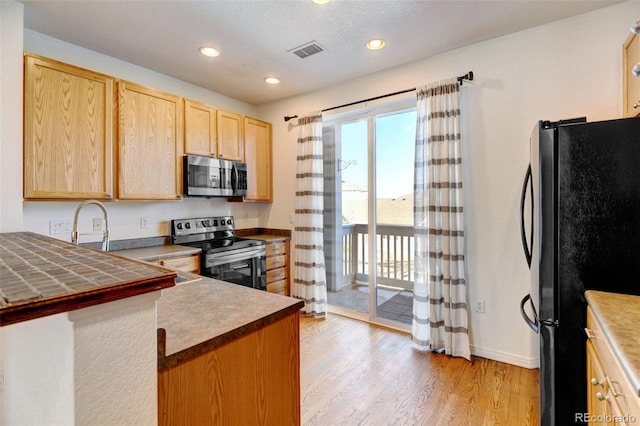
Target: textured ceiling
[[255, 36]]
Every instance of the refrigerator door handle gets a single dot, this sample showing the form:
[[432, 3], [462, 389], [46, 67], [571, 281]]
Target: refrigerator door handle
[[528, 248], [533, 323]]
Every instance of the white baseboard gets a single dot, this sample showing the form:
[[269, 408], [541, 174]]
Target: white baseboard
[[509, 358]]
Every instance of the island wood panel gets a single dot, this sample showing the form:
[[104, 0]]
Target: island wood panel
[[199, 129], [68, 131], [150, 144], [258, 156], [253, 380]]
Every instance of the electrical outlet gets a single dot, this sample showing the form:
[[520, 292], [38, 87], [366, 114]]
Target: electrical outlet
[[60, 226], [144, 222], [480, 306], [98, 225], [292, 218]]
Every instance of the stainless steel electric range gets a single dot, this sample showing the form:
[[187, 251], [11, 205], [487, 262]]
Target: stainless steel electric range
[[224, 256]]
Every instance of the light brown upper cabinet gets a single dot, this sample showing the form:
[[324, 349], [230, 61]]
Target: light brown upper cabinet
[[230, 140], [257, 140], [150, 143], [68, 131], [631, 84], [199, 129]]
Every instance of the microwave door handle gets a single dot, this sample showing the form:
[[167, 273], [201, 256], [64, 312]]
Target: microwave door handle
[[234, 178], [528, 248]]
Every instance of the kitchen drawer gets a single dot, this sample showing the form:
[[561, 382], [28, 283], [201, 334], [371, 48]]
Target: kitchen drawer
[[276, 275], [279, 287], [620, 393], [276, 262], [182, 263], [276, 249]]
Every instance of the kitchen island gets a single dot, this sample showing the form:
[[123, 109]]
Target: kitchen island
[[227, 354], [78, 334]]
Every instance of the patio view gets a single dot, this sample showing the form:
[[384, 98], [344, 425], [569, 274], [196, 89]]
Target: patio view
[[351, 286]]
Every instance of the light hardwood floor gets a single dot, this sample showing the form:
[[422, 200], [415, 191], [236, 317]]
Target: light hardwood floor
[[356, 374]]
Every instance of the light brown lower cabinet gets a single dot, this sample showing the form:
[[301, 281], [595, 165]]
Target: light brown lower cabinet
[[189, 263], [611, 399], [278, 267], [252, 380]]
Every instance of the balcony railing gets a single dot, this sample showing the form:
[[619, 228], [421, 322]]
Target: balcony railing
[[394, 250]]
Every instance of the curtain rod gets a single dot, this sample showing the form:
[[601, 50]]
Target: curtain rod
[[467, 76]]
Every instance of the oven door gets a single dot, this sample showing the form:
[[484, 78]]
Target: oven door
[[243, 266]]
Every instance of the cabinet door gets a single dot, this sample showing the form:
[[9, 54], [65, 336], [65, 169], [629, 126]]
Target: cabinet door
[[199, 129], [596, 384], [257, 141], [68, 131], [230, 141], [150, 144], [631, 55]]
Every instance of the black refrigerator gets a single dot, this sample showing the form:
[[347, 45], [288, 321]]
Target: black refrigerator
[[580, 226]]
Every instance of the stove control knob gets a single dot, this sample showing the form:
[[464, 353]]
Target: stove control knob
[[179, 225], [229, 222], [187, 225], [215, 222]]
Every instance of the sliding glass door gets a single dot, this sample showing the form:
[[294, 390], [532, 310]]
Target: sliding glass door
[[369, 212]]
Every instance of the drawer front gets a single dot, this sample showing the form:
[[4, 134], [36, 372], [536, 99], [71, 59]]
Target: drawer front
[[620, 391], [276, 249], [279, 287], [276, 275], [276, 262], [186, 263]]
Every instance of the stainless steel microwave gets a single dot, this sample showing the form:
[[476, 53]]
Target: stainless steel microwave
[[214, 177]]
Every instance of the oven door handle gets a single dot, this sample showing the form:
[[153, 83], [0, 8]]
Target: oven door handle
[[216, 259], [241, 266]]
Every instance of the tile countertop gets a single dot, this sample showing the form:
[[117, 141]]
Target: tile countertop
[[42, 276], [197, 317], [619, 316]]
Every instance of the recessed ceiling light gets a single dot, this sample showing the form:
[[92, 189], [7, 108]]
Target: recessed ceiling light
[[321, 1], [375, 44], [271, 80], [209, 51]]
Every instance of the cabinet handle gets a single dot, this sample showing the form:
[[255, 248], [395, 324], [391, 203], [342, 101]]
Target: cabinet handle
[[636, 105], [595, 382], [612, 387], [589, 333], [601, 397]]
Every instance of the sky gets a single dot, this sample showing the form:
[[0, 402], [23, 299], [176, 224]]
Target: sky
[[395, 141]]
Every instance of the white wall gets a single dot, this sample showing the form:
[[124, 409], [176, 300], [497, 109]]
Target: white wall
[[124, 217], [565, 69], [10, 116]]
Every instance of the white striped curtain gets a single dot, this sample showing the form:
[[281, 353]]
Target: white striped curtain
[[309, 276], [440, 312]]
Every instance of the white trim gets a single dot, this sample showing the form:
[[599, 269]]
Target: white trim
[[506, 357]]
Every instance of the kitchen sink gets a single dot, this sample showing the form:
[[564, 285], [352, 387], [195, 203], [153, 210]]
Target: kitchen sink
[[186, 278]]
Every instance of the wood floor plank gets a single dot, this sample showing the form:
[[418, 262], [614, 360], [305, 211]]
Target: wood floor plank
[[353, 373]]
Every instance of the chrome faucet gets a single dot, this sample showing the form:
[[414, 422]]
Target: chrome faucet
[[105, 231]]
